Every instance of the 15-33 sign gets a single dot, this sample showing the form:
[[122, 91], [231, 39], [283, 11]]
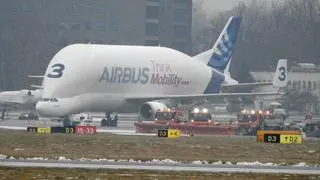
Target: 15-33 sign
[[66, 130]]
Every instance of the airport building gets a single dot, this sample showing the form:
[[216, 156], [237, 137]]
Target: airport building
[[130, 22], [302, 78], [37, 29]]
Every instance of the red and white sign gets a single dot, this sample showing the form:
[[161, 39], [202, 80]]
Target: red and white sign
[[86, 130]]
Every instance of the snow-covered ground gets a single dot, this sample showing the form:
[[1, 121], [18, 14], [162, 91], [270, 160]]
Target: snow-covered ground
[[159, 161]]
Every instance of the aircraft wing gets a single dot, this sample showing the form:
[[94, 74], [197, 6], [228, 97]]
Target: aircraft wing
[[191, 97], [11, 101], [255, 84], [36, 86], [35, 76]]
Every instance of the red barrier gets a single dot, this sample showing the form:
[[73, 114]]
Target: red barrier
[[85, 130], [187, 129]]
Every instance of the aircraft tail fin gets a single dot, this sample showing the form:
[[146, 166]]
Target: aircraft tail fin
[[219, 56], [280, 77], [224, 48]]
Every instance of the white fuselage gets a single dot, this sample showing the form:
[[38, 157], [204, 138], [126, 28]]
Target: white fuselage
[[87, 77], [22, 97]]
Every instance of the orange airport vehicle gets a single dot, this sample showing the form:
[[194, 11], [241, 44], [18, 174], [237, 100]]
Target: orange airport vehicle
[[200, 117], [199, 122], [166, 116], [249, 121]]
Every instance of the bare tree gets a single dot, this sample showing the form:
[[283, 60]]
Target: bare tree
[[269, 31]]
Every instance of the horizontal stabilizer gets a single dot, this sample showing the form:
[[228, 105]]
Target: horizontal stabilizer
[[35, 76], [279, 81], [11, 102], [36, 86]]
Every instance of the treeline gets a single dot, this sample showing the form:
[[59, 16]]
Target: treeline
[[269, 30]]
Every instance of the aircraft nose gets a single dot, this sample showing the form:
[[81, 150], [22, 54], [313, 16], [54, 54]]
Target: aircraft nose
[[40, 107]]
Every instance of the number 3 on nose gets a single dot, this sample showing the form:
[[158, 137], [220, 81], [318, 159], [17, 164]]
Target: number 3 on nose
[[57, 71]]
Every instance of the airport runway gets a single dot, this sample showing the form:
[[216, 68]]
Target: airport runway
[[126, 127], [163, 167]]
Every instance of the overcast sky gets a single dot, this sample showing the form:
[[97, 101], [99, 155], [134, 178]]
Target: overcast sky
[[215, 6]]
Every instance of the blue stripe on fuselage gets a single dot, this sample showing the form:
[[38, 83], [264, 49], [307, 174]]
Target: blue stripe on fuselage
[[215, 82]]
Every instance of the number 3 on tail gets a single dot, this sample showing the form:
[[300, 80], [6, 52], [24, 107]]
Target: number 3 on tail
[[282, 75], [57, 71]]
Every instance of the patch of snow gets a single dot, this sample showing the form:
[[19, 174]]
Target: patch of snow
[[2, 156], [62, 158], [205, 162], [196, 162], [169, 161], [311, 151], [37, 158], [132, 161], [161, 161], [122, 160], [301, 164], [18, 149], [11, 157], [270, 164], [217, 163], [83, 159], [256, 163]]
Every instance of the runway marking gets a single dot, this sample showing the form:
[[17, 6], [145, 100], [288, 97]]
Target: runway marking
[[175, 167]]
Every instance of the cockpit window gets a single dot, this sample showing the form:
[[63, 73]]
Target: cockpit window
[[49, 99]]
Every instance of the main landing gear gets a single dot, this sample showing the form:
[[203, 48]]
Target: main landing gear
[[66, 121], [111, 120], [3, 113]]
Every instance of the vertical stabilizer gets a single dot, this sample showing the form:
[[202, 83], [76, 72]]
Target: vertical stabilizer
[[280, 78], [219, 56]]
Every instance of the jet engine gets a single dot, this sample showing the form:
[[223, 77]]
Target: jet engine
[[148, 110], [26, 92]]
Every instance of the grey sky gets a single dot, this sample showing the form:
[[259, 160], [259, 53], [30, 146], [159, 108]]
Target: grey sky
[[214, 6]]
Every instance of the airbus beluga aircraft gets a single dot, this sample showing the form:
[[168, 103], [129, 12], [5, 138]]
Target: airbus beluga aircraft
[[118, 78]]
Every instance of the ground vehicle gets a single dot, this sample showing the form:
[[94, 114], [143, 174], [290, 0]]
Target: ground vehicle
[[166, 116], [312, 129], [248, 122], [29, 116], [199, 122], [276, 111], [200, 117], [110, 121], [272, 121], [87, 122]]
